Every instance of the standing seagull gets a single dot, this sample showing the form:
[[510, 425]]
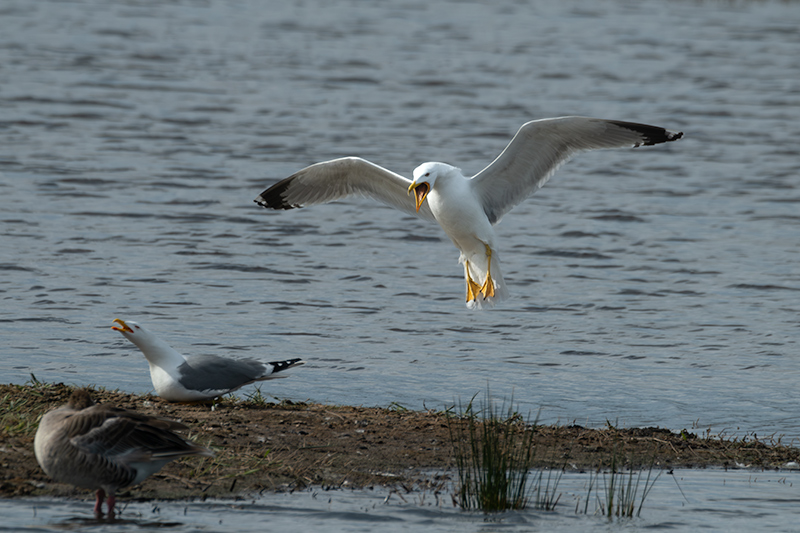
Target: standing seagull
[[467, 208], [106, 448], [201, 377]]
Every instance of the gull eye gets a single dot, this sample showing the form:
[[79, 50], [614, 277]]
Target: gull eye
[[427, 174]]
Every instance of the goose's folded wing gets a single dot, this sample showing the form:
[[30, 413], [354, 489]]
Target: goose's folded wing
[[541, 146], [332, 180], [130, 440]]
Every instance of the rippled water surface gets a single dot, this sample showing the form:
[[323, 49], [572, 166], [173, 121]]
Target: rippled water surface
[[656, 286], [707, 500]]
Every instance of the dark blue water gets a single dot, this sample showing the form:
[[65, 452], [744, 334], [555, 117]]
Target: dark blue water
[[648, 287]]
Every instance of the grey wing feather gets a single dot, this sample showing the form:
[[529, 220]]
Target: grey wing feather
[[332, 180], [131, 436], [540, 147], [81, 423], [209, 372]]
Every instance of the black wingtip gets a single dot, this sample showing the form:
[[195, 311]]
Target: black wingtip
[[674, 136], [279, 366], [273, 197], [650, 134]]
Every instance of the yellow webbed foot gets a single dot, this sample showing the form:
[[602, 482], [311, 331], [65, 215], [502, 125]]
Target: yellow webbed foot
[[473, 289], [488, 287]]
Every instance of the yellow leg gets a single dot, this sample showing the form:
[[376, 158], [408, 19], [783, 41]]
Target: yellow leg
[[488, 286], [472, 288]]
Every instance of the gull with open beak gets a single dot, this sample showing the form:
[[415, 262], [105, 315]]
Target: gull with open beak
[[467, 208], [196, 378]]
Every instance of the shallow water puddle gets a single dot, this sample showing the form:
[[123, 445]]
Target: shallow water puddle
[[685, 499]]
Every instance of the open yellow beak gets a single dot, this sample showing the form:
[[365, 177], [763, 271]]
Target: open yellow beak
[[122, 326], [421, 191]]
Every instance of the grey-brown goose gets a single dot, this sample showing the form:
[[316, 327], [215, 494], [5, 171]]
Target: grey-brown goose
[[105, 448]]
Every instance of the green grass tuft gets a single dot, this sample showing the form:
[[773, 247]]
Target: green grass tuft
[[494, 451], [622, 490], [257, 399]]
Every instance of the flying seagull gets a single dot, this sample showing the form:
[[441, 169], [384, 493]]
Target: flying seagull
[[467, 208], [105, 448], [197, 378]]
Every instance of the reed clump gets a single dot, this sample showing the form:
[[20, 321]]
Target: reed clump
[[621, 490], [494, 451]]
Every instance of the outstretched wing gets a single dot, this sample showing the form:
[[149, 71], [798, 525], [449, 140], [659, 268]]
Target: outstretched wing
[[335, 179], [541, 146]]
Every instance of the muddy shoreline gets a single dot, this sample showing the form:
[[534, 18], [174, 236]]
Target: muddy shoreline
[[264, 446]]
